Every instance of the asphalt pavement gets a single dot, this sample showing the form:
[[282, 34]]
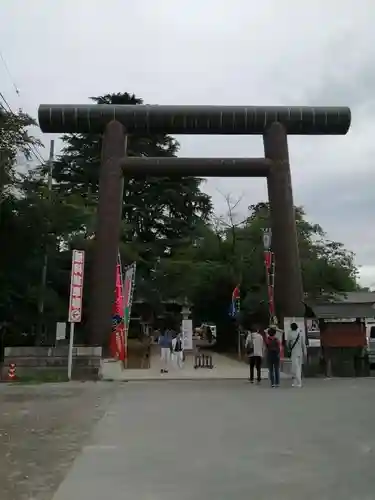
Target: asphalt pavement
[[191, 440]]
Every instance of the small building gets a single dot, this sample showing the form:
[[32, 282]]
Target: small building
[[348, 306], [342, 323]]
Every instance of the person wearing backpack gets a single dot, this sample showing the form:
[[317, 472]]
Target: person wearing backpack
[[254, 345], [177, 350], [273, 356], [297, 352]]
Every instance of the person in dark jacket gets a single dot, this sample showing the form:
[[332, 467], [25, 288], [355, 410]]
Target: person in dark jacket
[[165, 340], [273, 356]]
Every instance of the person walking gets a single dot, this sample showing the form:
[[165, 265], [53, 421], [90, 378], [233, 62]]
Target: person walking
[[298, 352], [254, 345], [273, 357], [146, 356], [165, 350], [177, 350]]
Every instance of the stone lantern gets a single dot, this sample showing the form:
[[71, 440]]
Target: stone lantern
[[187, 325], [186, 309]]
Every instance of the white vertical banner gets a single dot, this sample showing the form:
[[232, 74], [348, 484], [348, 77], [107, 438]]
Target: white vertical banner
[[129, 285], [312, 327], [75, 300], [60, 331], [76, 286], [187, 331]]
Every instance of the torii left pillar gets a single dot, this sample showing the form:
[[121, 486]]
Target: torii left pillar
[[107, 234]]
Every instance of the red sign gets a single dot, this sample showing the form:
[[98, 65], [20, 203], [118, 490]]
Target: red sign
[[271, 301], [76, 286], [268, 260], [117, 344]]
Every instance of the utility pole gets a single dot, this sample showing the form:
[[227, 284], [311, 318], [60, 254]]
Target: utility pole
[[43, 281]]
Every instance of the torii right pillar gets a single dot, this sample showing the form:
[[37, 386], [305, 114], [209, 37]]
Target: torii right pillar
[[288, 276]]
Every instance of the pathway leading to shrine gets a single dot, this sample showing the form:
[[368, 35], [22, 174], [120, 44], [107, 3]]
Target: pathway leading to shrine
[[224, 368], [228, 439]]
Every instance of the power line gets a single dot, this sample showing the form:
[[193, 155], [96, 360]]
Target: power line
[[9, 73], [6, 103], [31, 147]]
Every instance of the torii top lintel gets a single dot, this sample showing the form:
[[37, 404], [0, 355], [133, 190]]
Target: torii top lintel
[[215, 120]]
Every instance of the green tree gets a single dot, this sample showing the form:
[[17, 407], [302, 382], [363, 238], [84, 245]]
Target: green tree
[[15, 139], [208, 270], [327, 267], [159, 214], [35, 223]]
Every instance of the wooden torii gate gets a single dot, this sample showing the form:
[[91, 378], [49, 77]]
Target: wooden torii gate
[[118, 121]]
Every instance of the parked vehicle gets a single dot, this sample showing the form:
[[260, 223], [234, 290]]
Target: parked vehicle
[[370, 335], [208, 332]]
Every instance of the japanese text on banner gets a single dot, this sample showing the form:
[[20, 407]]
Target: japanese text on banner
[[76, 286]]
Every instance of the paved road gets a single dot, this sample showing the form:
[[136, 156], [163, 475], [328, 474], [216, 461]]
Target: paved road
[[229, 440]]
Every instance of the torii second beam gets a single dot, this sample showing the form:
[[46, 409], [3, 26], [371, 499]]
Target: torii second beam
[[196, 167]]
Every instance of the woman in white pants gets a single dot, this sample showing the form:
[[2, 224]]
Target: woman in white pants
[[165, 351], [296, 340], [178, 351]]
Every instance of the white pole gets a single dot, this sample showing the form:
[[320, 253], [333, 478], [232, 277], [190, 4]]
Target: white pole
[[239, 343], [70, 354], [46, 248]]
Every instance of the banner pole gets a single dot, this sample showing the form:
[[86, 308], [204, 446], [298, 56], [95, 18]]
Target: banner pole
[[273, 312], [70, 352]]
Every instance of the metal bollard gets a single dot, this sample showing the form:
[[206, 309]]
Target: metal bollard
[[209, 362], [196, 361], [203, 361]]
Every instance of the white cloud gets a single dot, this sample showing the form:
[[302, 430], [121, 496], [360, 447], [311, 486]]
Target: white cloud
[[219, 52], [367, 276]]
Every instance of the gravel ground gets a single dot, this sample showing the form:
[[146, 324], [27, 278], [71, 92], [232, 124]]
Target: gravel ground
[[42, 429]]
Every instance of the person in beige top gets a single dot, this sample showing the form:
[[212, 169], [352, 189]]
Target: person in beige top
[[254, 345]]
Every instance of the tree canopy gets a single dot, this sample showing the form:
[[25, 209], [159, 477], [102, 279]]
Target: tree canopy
[[226, 253], [181, 247]]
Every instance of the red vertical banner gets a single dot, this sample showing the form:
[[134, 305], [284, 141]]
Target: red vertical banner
[[236, 302], [117, 343], [268, 260], [271, 302], [121, 311], [269, 263]]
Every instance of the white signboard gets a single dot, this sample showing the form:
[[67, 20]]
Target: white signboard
[[60, 331], [300, 323], [187, 330], [76, 286], [312, 325], [312, 328], [267, 239]]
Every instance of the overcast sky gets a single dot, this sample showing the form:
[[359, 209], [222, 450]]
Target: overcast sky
[[240, 52]]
